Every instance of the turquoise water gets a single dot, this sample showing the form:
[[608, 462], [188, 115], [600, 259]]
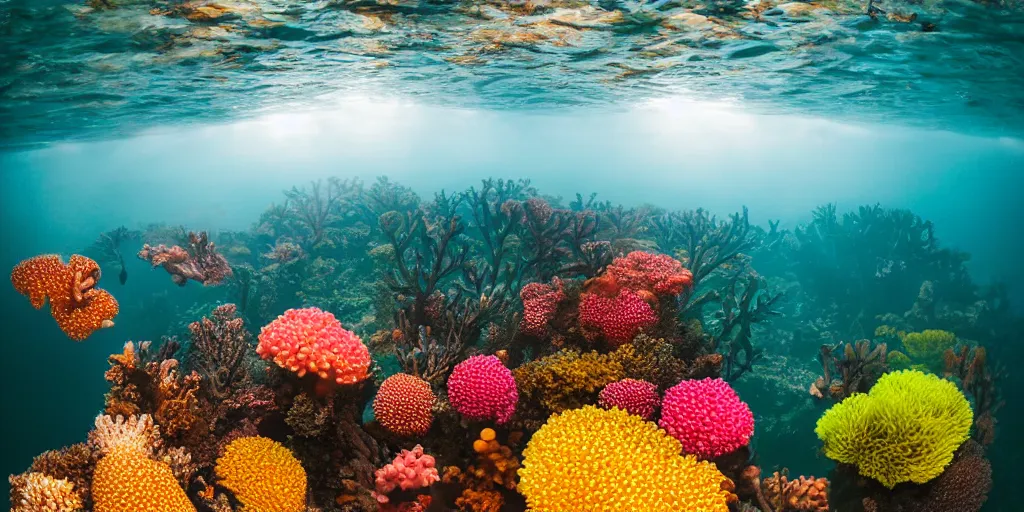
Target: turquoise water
[[200, 114]]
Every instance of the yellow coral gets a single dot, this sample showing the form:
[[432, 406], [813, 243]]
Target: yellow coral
[[927, 348], [36, 492], [566, 379], [263, 475], [126, 480], [904, 430], [593, 459]]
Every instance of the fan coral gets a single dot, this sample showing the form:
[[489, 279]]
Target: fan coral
[[410, 470], [620, 462], [803, 495], [75, 303], [566, 379], [36, 492], [707, 417], [404, 404], [928, 347], [905, 429], [618, 319], [199, 262], [659, 274], [539, 304], [481, 388], [637, 397], [126, 480], [263, 475], [311, 340]]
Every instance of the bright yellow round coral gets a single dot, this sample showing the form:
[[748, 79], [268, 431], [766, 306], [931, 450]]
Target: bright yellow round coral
[[263, 475], [126, 480], [904, 430], [593, 459]]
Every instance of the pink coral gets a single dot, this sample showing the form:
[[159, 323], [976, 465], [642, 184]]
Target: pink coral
[[657, 273], [410, 470], [404, 404], [199, 262], [539, 304], [481, 388], [637, 397], [707, 417], [619, 319], [311, 340]]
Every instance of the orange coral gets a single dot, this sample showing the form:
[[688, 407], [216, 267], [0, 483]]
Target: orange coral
[[263, 475], [803, 495], [126, 480], [75, 303], [496, 467]]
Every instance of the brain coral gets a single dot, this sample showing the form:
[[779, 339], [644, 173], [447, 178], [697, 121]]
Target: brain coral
[[905, 429], [618, 319], [656, 273], [311, 340], [126, 480], [404, 404], [637, 397], [75, 303], [618, 462], [707, 417], [481, 388], [263, 475]]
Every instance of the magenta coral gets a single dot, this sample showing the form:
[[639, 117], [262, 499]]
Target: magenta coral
[[637, 397], [539, 304], [481, 388], [404, 404], [619, 319], [707, 417], [310, 340], [657, 273], [410, 470]]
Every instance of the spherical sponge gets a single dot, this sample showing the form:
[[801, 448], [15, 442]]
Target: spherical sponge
[[634, 396], [707, 417], [618, 462], [905, 429], [126, 480], [263, 475], [481, 388], [311, 340], [404, 404]]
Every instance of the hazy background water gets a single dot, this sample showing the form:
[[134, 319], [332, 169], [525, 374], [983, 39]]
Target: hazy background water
[[670, 153]]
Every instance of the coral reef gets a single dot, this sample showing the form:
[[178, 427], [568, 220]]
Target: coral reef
[[199, 261], [806, 494], [617, 319], [904, 430], [481, 388], [637, 397], [75, 303], [404, 405], [707, 417], [566, 379], [263, 475], [311, 340], [411, 469], [36, 492], [629, 465]]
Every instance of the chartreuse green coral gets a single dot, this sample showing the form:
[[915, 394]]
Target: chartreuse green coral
[[904, 430], [926, 348]]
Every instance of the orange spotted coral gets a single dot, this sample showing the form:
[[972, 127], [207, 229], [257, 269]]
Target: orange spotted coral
[[75, 303], [618, 462], [263, 475], [126, 480]]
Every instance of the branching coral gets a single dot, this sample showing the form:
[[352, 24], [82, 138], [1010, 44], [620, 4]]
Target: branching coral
[[620, 462], [313, 341], [707, 417], [904, 430], [566, 379], [36, 492], [481, 388], [404, 405], [263, 475], [802, 495], [969, 366], [199, 261], [75, 303], [855, 370], [218, 351]]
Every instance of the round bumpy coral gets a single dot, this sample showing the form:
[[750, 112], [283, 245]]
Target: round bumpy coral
[[411, 469], [126, 480], [263, 475], [618, 319], [404, 404], [75, 303], [905, 429], [311, 340], [707, 417], [634, 396], [539, 304], [656, 273], [481, 388], [618, 462], [36, 492]]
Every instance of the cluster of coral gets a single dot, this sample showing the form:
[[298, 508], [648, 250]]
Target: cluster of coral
[[494, 351]]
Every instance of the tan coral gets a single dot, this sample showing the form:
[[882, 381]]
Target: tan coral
[[36, 492]]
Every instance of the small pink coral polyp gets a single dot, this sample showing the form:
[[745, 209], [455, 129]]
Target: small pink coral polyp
[[309, 340], [481, 388], [707, 417], [637, 397]]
